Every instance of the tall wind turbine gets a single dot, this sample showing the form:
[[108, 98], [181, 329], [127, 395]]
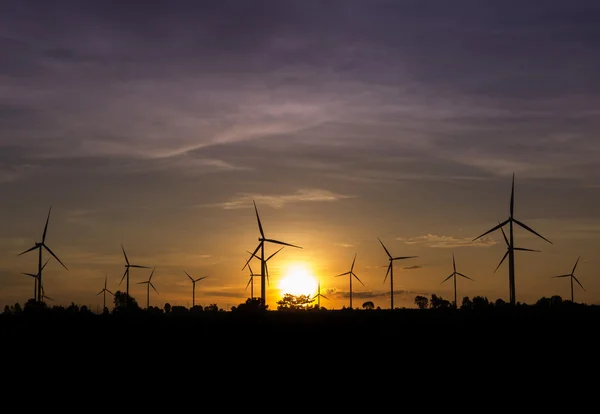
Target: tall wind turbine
[[104, 291], [126, 273], [453, 275], [511, 254], [35, 279], [261, 245], [194, 286], [351, 274], [42, 245], [572, 276], [319, 296], [390, 271], [509, 248], [149, 283]]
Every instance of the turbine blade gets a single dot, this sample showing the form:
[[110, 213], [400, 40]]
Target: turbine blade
[[447, 278], [525, 250], [153, 287], [578, 282], [140, 267], [512, 196], [124, 254], [353, 274], [465, 276], [109, 292], [453, 263], [504, 235], [253, 255], [353, 261], [404, 257], [123, 278], [55, 256], [248, 284], [342, 274], [151, 274], [569, 275], [389, 268], [384, 248], [573, 271], [188, 275], [249, 268], [492, 229], [29, 274], [28, 250], [200, 278], [283, 243], [323, 296], [531, 230], [99, 292], [260, 228], [46, 226], [274, 254], [503, 257]]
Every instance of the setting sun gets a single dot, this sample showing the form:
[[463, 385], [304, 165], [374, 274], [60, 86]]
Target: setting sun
[[298, 280]]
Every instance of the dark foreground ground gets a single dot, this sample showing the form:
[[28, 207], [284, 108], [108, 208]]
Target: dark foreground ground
[[448, 345]]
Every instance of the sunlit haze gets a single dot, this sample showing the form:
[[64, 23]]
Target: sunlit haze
[[156, 125]]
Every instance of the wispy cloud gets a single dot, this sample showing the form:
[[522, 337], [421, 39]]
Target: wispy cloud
[[344, 245], [13, 173], [413, 267], [278, 201], [448, 242]]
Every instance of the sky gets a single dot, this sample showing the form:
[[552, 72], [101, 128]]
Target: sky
[[155, 126]]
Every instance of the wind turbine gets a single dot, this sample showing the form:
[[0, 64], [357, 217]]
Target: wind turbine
[[35, 279], [42, 245], [104, 291], [44, 295], [511, 254], [126, 273], [149, 283], [572, 276], [194, 286], [319, 296], [390, 271], [453, 275], [251, 282], [261, 245], [351, 273], [266, 261]]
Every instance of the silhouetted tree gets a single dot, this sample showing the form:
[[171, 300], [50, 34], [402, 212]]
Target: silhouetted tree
[[368, 305], [251, 305], [6, 310], [466, 303], [437, 302], [211, 308], [421, 301], [500, 303], [557, 300], [124, 303], [294, 302], [167, 307], [480, 303]]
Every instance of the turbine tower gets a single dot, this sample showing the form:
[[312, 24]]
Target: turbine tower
[[453, 275], [42, 245], [104, 291], [261, 245], [351, 274], [572, 276], [390, 271], [194, 286], [251, 282], [126, 273], [149, 283], [319, 296], [511, 254], [35, 279]]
